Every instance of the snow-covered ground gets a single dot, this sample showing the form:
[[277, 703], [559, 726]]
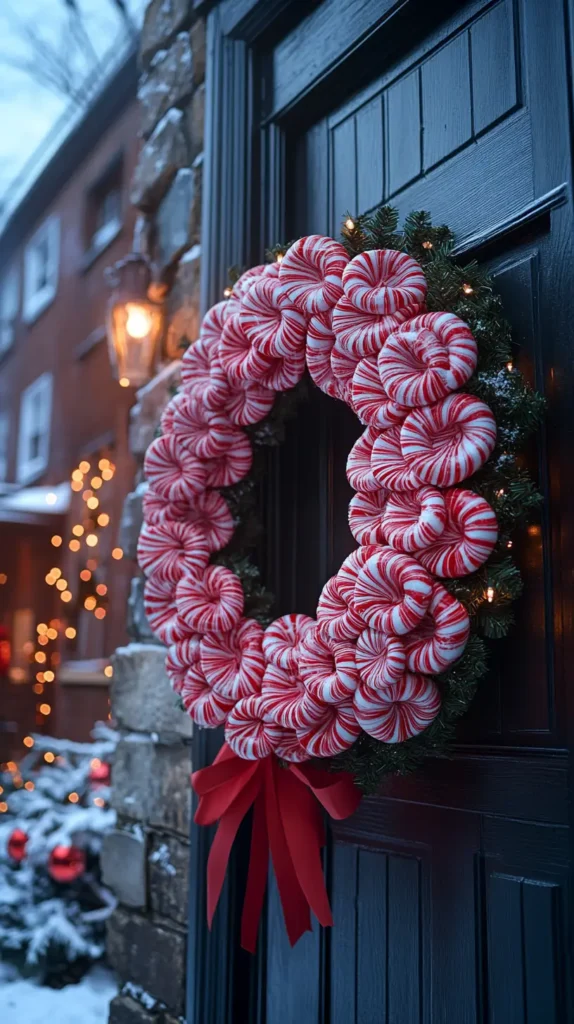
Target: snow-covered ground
[[85, 1003]]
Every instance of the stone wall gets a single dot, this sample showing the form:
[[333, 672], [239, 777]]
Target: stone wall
[[146, 859]]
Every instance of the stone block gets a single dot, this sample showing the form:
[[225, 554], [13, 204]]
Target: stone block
[[150, 403], [150, 956], [125, 1010], [184, 304], [150, 782], [168, 83], [173, 218], [131, 522], [159, 161], [124, 866], [163, 18], [137, 625], [142, 698], [198, 50], [195, 122], [144, 236], [169, 877], [194, 214]]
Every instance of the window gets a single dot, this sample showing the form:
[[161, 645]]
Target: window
[[34, 435], [9, 302], [41, 259], [104, 210], [108, 218], [4, 436]]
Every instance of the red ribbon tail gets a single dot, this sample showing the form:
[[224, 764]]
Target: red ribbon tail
[[224, 838], [303, 831], [256, 876], [294, 905]]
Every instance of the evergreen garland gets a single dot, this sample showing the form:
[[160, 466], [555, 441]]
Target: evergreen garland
[[488, 593]]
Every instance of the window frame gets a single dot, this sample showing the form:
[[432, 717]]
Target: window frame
[[4, 445], [29, 468], [37, 299], [10, 285]]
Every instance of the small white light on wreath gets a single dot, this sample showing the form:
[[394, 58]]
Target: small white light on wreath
[[349, 224], [467, 289], [227, 292], [510, 366], [427, 245], [490, 594]]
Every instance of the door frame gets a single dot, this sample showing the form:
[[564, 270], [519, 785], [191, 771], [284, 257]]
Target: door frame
[[242, 162]]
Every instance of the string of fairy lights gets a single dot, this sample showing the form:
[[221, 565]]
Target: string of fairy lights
[[91, 595]]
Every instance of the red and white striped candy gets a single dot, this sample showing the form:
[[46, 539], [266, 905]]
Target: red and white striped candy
[[441, 637], [232, 466], [311, 271], [283, 692], [336, 618], [272, 324], [241, 287], [249, 404], [157, 509], [249, 732], [381, 659], [210, 513], [207, 433], [202, 375], [413, 520], [172, 470], [212, 324], [427, 358], [320, 341], [237, 357], [385, 281], [395, 713], [449, 441], [469, 536], [233, 663], [348, 574], [205, 707], [170, 550], [336, 731], [288, 747], [283, 374], [211, 603], [272, 269], [388, 464], [366, 516], [359, 471], [184, 653], [282, 638], [343, 364], [361, 333], [327, 667], [166, 418], [370, 400], [392, 592], [161, 611]]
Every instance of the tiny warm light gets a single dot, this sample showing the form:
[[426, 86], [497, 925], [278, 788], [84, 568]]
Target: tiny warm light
[[467, 289], [52, 634], [49, 676], [38, 688], [29, 785], [510, 366], [427, 245], [103, 519], [28, 647], [92, 503], [70, 632], [40, 657], [107, 474], [139, 321], [279, 257], [92, 564], [117, 553], [51, 498], [62, 584], [41, 628], [76, 485], [50, 579], [90, 603], [227, 292], [85, 575], [73, 798], [100, 613], [55, 623], [56, 541], [49, 757], [45, 709], [74, 545], [104, 464], [490, 594], [509, 544], [78, 530], [500, 492], [12, 766], [66, 596], [99, 801], [56, 573], [101, 589], [3, 578], [109, 671], [349, 223], [43, 640], [77, 475], [91, 540], [124, 382], [3, 807], [87, 494], [28, 741], [84, 467], [95, 763], [40, 677], [96, 482]]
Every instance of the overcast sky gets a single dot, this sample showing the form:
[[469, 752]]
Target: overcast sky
[[27, 109]]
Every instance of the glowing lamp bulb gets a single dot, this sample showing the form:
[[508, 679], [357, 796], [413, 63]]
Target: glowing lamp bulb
[[139, 322], [51, 498]]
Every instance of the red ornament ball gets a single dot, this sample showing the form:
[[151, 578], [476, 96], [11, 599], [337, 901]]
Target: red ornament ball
[[100, 773], [17, 845], [66, 863]]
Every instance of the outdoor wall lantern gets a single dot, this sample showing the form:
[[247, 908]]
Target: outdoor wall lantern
[[135, 320]]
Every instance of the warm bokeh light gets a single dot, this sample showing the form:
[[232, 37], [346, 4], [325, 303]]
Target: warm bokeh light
[[96, 482], [51, 498], [28, 741], [28, 647], [84, 467], [100, 613], [73, 798], [103, 519], [92, 564], [70, 632], [90, 603], [66, 596], [29, 785], [99, 801], [62, 584], [87, 494], [101, 589], [56, 540], [38, 688], [91, 540], [74, 545], [3, 807], [49, 757], [49, 676], [40, 657], [45, 709], [42, 628], [109, 671], [52, 634], [92, 503], [55, 572], [78, 530], [12, 766], [107, 474], [85, 575], [43, 640], [117, 553], [76, 485], [40, 677], [77, 475], [124, 382], [104, 464], [3, 578]]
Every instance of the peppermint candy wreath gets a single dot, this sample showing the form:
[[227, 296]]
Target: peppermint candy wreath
[[417, 346]]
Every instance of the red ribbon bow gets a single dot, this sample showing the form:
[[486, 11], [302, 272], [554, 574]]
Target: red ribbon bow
[[286, 821]]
